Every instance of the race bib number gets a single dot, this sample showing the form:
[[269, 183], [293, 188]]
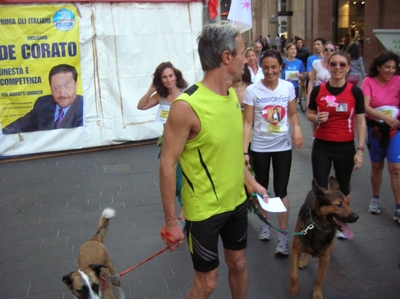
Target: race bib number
[[388, 111], [291, 76], [274, 129], [341, 107], [163, 113]]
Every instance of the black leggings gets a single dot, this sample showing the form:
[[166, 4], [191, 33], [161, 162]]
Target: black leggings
[[281, 163], [341, 155]]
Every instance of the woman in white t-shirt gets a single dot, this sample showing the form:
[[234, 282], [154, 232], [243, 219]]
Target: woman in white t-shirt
[[270, 105], [252, 62], [320, 73]]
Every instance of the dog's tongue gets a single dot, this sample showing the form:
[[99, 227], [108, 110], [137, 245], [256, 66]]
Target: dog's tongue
[[346, 231]]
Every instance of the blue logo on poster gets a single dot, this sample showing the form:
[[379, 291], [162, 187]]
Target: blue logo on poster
[[64, 19]]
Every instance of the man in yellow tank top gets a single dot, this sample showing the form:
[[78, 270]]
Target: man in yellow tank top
[[204, 132]]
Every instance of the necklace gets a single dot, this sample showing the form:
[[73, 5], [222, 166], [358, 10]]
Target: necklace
[[271, 86]]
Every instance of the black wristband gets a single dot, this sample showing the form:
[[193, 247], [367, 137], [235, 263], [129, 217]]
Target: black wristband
[[246, 154]]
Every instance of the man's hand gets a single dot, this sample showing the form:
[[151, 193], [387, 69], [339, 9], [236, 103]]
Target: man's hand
[[172, 234]]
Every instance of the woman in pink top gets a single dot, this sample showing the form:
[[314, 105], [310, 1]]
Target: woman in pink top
[[382, 101]]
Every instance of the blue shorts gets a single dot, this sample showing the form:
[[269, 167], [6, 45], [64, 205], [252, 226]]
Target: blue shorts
[[377, 153]]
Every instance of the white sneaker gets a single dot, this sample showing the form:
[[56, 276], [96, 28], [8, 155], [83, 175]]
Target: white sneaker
[[283, 244], [340, 235], [396, 216], [374, 206], [264, 233]]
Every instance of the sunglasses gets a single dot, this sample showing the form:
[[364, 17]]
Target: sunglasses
[[329, 49], [342, 65]]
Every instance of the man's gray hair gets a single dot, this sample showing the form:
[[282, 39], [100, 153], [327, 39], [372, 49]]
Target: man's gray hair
[[213, 40]]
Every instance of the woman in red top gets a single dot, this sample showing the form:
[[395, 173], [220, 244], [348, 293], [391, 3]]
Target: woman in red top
[[335, 106]]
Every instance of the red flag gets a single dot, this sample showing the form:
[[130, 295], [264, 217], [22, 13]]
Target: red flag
[[213, 9]]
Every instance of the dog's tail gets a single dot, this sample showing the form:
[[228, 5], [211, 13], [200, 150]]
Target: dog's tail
[[102, 228]]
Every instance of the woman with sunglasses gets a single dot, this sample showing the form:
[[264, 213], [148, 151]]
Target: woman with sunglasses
[[270, 105], [335, 106], [320, 73], [382, 100]]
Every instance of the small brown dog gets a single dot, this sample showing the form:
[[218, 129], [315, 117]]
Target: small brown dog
[[328, 211], [95, 266]]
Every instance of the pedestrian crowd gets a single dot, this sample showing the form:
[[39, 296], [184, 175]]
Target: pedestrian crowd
[[278, 43], [223, 134]]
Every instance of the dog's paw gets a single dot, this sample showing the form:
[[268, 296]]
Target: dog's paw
[[318, 294], [303, 261], [302, 265], [293, 291], [293, 287]]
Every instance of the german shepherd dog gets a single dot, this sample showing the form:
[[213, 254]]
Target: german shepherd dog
[[95, 266], [327, 210]]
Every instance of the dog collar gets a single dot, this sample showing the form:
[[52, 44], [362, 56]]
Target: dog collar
[[104, 283], [312, 221]]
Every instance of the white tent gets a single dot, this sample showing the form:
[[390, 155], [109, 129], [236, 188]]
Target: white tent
[[121, 45]]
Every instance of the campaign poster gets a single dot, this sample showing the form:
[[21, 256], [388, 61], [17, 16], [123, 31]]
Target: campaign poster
[[36, 39]]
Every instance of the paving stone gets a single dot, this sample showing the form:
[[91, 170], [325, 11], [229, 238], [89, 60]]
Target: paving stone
[[44, 223]]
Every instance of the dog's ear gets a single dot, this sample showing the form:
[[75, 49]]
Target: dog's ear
[[318, 191], [333, 183], [316, 188], [97, 268], [67, 279]]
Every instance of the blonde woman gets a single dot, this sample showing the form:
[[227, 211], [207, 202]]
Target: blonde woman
[[337, 107], [252, 62]]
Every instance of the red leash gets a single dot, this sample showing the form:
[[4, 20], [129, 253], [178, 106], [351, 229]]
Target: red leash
[[111, 278], [166, 236], [144, 261]]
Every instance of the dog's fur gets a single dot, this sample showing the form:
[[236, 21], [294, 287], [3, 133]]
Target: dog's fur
[[94, 263], [330, 211]]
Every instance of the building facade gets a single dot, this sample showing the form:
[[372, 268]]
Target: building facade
[[330, 19]]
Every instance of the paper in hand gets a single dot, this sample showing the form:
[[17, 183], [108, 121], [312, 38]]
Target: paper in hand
[[274, 204]]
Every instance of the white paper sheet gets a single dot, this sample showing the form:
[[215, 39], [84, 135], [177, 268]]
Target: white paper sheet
[[274, 204]]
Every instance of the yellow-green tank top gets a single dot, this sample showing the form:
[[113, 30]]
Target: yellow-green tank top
[[212, 163]]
